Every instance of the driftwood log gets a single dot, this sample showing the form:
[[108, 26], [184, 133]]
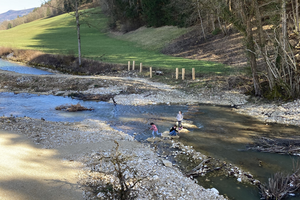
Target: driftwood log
[[198, 169], [278, 145], [73, 108], [280, 186], [92, 97]]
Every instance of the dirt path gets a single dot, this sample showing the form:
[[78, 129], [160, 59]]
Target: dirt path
[[29, 172]]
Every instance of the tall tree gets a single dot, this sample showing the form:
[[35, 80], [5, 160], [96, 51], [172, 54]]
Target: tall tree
[[72, 7]]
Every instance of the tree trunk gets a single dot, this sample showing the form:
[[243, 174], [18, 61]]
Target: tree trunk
[[220, 25], [297, 16], [78, 32], [285, 65], [212, 17], [252, 58], [201, 19], [247, 16], [262, 43]]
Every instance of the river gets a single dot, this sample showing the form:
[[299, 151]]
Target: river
[[221, 133]]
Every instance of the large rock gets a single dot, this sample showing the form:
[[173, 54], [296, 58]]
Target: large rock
[[188, 124], [184, 130], [166, 134], [167, 163]]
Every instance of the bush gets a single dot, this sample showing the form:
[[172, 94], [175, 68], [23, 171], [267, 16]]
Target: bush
[[216, 31], [117, 184]]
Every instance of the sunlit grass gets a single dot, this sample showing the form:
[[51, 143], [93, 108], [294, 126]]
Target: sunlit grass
[[58, 35], [153, 38]]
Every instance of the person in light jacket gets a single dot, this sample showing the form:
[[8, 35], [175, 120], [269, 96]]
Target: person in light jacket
[[179, 118]]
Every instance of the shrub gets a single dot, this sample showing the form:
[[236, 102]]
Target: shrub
[[216, 31], [119, 183]]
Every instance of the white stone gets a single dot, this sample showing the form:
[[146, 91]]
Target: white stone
[[167, 163], [214, 190]]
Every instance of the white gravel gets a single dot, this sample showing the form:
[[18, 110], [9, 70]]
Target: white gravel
[[165, 182], [159, 181]]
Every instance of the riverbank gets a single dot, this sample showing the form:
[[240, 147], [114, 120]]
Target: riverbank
[[29, 172], [126, 91], [86, 141], [80, 142]]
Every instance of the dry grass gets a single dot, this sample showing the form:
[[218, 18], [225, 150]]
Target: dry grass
[[63, 63], [5, 50], [26, 55]]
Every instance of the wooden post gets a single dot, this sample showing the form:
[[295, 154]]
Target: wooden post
[[133, 65], [183, 73], [150, 72], [176, 73], [193, 73], [141, 67], [128, 65]]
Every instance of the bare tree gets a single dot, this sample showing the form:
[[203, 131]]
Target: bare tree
[[73, 8]]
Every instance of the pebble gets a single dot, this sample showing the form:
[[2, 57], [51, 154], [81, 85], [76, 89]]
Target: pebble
[[168, 181]]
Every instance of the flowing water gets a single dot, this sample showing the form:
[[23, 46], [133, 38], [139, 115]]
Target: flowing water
[[221, 133], [15, 67]]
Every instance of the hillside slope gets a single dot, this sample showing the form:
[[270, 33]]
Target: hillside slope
[[57, 35], [226, 49]]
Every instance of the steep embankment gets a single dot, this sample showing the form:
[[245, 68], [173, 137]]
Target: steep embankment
[[226, 49]]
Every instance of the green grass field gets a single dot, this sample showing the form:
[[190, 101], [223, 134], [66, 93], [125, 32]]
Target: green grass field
[[58, 35]]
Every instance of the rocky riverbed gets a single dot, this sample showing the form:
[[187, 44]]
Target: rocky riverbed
[[160, 179], [92, 139]]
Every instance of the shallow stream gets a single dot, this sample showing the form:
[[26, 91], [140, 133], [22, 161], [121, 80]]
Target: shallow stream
[[221, 133], [15, 67]]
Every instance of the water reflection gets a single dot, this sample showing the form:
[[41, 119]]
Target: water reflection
[[221, 133]]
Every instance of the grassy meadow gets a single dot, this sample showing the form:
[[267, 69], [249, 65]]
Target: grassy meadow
[[57, 35]]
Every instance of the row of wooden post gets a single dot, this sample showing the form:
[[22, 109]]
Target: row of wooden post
[[133, 66], [183, 73], [177, 71]]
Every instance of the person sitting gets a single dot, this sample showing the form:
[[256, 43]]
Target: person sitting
[[173, 131]]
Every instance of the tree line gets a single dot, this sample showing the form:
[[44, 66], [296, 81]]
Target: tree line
[[49, 8], [270, 29]]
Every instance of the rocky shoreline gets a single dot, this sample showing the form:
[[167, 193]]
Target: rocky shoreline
[[139, 91], [166, 182], [160, 179]]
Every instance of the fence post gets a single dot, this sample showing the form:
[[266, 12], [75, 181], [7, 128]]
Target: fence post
[[133, 65], [150, 72], [176, 73], [128, 65], [183, 73], [193, 73], [141, 67]]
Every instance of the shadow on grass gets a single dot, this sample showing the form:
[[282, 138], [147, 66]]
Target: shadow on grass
[[97, 45]]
